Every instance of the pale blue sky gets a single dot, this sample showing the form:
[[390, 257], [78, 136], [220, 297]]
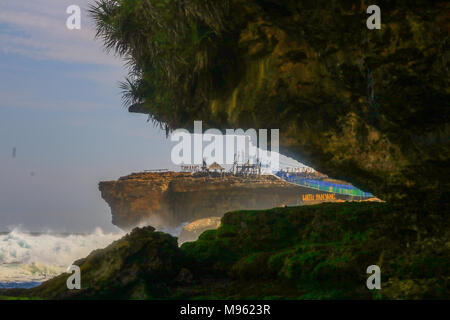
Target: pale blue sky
[[60, 108]]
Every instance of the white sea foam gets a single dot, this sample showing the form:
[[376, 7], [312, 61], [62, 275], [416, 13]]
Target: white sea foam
[[160, 225], [25, 257]]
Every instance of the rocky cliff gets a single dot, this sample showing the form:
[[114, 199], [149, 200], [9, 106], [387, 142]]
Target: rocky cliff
[[171, 198], [366, 106]]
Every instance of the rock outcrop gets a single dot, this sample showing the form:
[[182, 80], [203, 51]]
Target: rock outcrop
[[193, 230], [169, 199], [305, 252], [365, 106]]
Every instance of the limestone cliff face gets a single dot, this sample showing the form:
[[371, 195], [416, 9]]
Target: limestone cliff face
[[172, 198], [193, 230]]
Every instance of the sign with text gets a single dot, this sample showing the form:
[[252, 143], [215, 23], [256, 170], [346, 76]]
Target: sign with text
[[318, 196]]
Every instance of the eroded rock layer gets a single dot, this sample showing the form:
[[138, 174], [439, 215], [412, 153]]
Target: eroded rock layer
[[171, 198]]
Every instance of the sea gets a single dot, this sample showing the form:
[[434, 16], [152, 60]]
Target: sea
[[27, 259]]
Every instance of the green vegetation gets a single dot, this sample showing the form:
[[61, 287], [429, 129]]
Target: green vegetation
[[362, 106], [171, 47], [307, 252], [17, 298], [322, 252]]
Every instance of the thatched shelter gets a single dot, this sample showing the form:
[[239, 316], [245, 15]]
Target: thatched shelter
[[215, 167]]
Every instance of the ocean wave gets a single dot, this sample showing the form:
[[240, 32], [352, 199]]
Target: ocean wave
[[26, 257]]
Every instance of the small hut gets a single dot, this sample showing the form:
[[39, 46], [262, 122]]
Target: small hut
[[215, 167]]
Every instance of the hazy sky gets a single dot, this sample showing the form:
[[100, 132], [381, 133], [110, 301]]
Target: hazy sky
[[60, 108]]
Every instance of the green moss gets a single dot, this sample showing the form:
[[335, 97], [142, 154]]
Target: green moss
[[252, 267], [307, 252], [317, 249], [17, 298]]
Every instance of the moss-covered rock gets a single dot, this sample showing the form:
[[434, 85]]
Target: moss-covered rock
[[307, 252], [366, 106], [323, 251]]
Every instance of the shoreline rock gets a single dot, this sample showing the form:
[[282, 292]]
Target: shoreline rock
[[306, 252]]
